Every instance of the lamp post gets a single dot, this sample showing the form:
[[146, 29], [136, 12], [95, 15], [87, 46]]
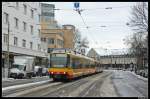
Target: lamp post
[[8, 51], [124, 59]]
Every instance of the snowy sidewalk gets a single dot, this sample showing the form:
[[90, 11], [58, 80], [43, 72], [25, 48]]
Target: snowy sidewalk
[[138, 76], [7, 79], [11, 81]]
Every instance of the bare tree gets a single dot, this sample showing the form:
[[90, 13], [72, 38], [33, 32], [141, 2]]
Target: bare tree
[[77, 35], [84, 44], [137, 47], [138, 42], [77, 39], [139, 19], [80, 42]]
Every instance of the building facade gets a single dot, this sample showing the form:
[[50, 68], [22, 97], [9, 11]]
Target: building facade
[[59, 38], [118, 61], [20, 29], [69, 36], [55, 35], [50, 30]]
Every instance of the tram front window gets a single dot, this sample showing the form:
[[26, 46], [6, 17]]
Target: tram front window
[[58, 60]]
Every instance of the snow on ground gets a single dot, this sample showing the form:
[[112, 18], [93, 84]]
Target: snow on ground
[[7, 79], [24, 85], [128, 85], [138, 76], [12, 79], [107, 89], [40, 77]]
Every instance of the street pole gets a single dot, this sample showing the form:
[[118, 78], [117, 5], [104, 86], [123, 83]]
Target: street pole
[[8, 51], [124, 61]]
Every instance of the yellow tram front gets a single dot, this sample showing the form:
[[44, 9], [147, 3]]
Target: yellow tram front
[[60, 66]]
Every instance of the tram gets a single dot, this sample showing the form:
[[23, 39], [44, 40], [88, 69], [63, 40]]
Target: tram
[[66, 64]]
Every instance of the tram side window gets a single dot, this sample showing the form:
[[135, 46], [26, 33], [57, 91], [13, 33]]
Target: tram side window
[[84, 64], [88, 64], [75, 63], [80, 66], [81, 63], [92, 65]]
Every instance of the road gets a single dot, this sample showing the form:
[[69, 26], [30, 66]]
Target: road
[[109, 83], [23, 81]]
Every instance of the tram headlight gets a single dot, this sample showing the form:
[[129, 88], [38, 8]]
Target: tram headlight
[[64, 72], [51, 72]]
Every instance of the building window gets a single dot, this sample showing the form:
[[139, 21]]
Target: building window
[[31, 28], [39, 5], [25, 9], [50, 50], [51, 41], [60, 42], [5, 38], [43, 39], [32, 13], [31, 45], [17, 5], [24, 43], [15, 41], [39, 47], [24, 26], [6, 18], [39, 18], [39, 32], [16, 23]]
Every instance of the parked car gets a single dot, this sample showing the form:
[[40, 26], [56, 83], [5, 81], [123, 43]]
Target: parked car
[[16, 73], [145, 74], [38, 70], [25, 65], [124, 69], [44, 71], [138, 72], [141, 72]]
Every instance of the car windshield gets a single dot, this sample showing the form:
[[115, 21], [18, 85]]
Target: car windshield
[[20, 67], [58, 60]]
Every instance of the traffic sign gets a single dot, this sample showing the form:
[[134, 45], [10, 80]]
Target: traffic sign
[[76, 4]]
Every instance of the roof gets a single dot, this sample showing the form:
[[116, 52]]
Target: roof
[[102, 51]]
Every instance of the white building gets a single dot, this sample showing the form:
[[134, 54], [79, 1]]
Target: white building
[[24, 31]]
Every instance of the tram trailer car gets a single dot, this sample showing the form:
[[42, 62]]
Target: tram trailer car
[[67, 65]]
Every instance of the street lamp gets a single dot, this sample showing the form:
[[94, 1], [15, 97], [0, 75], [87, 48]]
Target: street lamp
[[8, 60], [8, 51]]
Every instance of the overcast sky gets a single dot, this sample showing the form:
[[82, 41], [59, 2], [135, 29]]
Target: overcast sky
[[114, 19]]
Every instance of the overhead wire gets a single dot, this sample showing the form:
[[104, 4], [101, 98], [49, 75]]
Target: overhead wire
[[94, 8], [86, 26]]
